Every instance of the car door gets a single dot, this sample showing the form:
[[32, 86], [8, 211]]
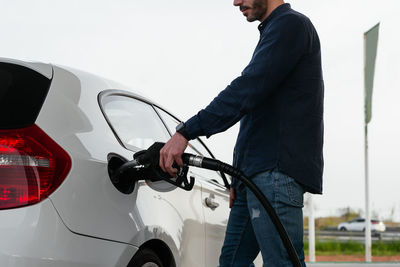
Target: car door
[[356, 225], [352, 225], [360, 225], [215, 196], [215, 199]]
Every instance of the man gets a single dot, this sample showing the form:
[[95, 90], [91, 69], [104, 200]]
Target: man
[[278, 100]]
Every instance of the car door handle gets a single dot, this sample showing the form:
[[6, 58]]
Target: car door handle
[[211, 203]]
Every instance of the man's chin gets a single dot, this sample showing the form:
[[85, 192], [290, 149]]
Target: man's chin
[[250, 19]]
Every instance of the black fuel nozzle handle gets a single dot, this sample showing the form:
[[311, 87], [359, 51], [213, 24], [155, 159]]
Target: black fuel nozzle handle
[[151, 157]]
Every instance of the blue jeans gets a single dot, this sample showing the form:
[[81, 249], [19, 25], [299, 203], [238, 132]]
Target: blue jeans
[[250, 230]]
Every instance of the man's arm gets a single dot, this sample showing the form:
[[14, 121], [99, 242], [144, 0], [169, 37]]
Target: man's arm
[[277, 53]]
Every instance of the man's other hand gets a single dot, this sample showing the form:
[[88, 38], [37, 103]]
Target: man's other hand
[[172, 151], [231, 197]]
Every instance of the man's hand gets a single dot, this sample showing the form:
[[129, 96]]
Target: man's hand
[[231, 197], [172, 151]]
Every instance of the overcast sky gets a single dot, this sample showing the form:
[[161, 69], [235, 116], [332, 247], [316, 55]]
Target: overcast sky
[[181, 53]]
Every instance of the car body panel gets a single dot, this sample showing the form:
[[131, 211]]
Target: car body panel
[[36, 237], [172, 216], [216, 218]]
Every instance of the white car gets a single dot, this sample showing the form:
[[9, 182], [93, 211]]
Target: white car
[[62, 133], [358, 224]]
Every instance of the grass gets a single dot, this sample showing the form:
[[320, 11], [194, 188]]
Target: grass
[[386, 248], [333, 247]]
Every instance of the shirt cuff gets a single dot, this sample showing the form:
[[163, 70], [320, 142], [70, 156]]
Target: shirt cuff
[[193, 128]]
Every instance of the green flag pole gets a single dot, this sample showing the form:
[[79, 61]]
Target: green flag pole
[[370, 50]]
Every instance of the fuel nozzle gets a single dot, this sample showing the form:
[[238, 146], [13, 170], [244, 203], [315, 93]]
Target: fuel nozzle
[[150, 160]]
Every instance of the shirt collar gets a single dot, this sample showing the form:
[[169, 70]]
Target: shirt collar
[[280, 9]]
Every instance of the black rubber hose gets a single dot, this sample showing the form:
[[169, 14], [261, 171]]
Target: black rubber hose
[[217, 165]]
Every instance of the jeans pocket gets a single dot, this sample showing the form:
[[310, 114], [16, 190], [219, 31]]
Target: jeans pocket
[[295, 192]]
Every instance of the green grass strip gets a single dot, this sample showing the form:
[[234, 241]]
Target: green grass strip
[[350, 247]]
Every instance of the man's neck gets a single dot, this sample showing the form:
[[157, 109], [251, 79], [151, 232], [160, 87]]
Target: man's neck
[[272, 4]]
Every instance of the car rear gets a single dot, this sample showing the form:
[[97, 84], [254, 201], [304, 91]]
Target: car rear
[[378, 226], [32, 167]]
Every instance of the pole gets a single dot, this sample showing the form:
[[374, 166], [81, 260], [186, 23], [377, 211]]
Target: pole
[[367, 203], [311, 230]]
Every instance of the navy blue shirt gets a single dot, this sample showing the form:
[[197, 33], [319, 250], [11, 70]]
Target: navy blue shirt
[[278, 100]]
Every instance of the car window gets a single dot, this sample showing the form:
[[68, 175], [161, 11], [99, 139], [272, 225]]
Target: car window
[[169, 120], [194, 147], [135, 122]]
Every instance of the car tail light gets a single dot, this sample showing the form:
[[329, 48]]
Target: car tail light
[[374, 222], [32, 166]]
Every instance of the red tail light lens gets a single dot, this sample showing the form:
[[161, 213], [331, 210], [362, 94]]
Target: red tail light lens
[[32, 166]]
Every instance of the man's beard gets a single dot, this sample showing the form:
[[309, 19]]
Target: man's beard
[[260, 9]]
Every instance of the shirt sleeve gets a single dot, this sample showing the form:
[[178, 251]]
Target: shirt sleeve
[[280, 47]]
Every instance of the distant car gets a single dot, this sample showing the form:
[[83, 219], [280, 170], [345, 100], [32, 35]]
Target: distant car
[[358, 224], [63, 132]]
